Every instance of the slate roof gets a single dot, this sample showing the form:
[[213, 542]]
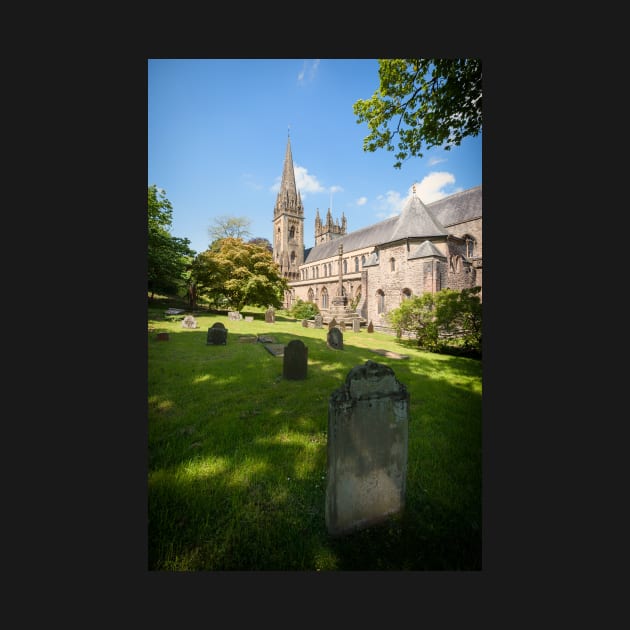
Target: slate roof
[[415, 220], [424, 250]]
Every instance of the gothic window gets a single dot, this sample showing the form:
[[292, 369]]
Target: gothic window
[[363, 261], [392, 264], [311, 295], [330, 269], [293, 258], [380, 301], [345, 266], [324, 298], [406, 294], [292, 232], [470, 246], [356, 263]]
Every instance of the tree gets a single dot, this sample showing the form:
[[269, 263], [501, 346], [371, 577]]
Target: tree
[[435, 102], [168, 257], [229, 227], [259, 240], [235, 273]]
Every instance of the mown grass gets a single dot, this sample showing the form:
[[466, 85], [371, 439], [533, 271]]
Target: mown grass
[[237, 454]]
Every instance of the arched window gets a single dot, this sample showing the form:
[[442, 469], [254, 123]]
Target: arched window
[[311, 295], [392, 264], [406, 294], [292, 258], [363, 261], [356, 263], [324, 298], [470, 246], [330, 269], [380, 301], [292, 232], [345, 266]]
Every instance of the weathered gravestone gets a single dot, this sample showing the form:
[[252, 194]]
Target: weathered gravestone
[[368, 420], [217, 335], [318, 320], [334, 339], [332, 323], [189, 322], [370, 327], [305, 323], [295, 360], [270, 316], [356, 325]]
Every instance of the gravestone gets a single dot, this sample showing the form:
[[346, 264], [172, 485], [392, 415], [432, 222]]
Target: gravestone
[[356, 325], [217, 335], [189, 322], [249, 318], [305, 323], [163, 336], [370, 327], [332, 323], [368, 423], [270, 316], [342, 326], [334, 339], [318, 320], [295, 360]]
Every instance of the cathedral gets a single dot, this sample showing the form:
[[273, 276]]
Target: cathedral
[[366, 273]]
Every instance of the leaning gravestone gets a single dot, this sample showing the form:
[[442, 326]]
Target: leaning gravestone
[[217, 335], [334, 339], [368, 421], [270, 316], [295, 360], [189, 322], [318, 320]]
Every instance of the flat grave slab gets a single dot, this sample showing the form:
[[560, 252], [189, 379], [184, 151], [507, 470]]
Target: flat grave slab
[[390, 354], [277, 349]]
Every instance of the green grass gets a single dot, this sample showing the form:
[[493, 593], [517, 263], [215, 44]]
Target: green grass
[[237, 454]]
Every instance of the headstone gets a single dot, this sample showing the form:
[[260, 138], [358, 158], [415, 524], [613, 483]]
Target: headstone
[[295, 360], [342, 326], [368, 423], [356, 325], [270, 316], [334, 339], [332, 323], [305, 323], [162, 336], [234, 315], [318, 320], [370, 327], [189, 322], [217, 335], [249, 318]]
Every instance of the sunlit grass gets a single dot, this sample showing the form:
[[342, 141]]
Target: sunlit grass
[[237, 454]]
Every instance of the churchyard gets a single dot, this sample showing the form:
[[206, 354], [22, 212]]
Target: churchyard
[[238, 448]]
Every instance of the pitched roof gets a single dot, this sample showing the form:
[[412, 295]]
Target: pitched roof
[[415, 220], [424, 250]]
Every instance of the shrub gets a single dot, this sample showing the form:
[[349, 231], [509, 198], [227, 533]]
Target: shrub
[[303, 310]]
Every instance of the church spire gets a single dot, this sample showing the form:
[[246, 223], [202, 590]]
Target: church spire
[[288, 196]]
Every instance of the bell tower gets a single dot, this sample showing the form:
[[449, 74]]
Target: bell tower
[[288, 222]]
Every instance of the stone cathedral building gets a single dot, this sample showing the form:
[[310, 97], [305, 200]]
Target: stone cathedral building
[[370, 271]]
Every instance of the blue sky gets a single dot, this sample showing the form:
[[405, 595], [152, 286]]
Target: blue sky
[[217, 135]]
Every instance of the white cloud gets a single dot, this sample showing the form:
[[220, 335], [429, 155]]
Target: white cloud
[[389, 204], [334, 189], [435, 160], [308, 71], [361, 201], [432, 187]]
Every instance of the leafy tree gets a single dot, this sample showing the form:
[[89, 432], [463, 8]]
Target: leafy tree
[[435, 102], [169, 257], [228, 227], [236, 273], [303, 310], [258, 240], [432, 317]]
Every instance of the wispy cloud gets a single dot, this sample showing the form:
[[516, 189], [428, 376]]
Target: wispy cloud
[[361, 201], [249, 180], [334, 189], [389, 204], [308, 71], [436, 160]]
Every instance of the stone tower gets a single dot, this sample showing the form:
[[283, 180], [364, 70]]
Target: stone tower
[[288, 222], [325, 232]]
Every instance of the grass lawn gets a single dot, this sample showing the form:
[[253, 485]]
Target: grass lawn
[[237, 454]]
